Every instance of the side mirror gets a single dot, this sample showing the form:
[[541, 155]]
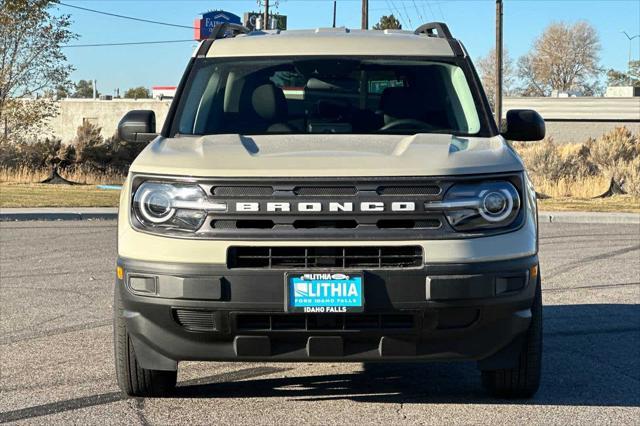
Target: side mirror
[[524, 125], [138, 126]]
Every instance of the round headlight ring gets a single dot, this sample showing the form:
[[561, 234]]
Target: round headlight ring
[[490, 197], [157, 197]]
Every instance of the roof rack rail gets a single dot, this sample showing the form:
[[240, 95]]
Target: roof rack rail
[[442, 30], [218, 32]]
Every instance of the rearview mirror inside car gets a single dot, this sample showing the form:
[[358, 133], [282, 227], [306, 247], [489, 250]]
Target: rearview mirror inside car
[[524, 125], [138, 126]]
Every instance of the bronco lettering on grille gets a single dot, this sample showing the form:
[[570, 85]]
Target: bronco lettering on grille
[[332, 207]]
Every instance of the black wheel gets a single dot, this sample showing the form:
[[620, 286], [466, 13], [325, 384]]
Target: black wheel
[[134, 380], [522, 381]]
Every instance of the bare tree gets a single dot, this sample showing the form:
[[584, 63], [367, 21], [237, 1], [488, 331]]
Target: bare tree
[[31, 63], [564, 58], [487, 70]]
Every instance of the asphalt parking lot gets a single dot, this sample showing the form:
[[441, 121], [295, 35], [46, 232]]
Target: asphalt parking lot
[[57, 360]]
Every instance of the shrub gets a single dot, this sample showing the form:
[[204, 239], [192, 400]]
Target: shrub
[[617, 147], [34, 155], [584, 170]]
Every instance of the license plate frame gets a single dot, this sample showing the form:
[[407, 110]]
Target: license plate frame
[[343, 280]]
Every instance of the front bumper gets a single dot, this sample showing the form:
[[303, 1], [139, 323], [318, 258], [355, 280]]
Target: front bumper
[[474, 311]]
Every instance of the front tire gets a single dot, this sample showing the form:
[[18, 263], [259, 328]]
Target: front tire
[[134, 380], [523, 380]]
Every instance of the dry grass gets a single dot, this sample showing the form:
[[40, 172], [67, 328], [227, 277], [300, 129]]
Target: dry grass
[[584, 170], [44, 195], [585, 187], [618, 203], [81, 175]]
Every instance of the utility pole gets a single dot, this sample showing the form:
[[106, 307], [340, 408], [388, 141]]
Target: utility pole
[[365, 14], [266, 14], [335, 5], [498, 94]]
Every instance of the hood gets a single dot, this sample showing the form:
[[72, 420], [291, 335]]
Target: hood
[[326, 156]]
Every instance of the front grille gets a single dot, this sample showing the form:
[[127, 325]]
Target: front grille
[[409, 190], [195, 320], [323, 322], [324, 191], [331, 209], [325, 257], [242, 224], [242, 191]]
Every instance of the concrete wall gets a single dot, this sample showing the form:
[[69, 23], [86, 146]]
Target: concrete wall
[[568, 119], [573, 120], [583, 109], [106, 114]]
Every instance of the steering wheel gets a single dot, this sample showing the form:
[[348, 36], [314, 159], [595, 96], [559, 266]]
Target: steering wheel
[[409, 123]]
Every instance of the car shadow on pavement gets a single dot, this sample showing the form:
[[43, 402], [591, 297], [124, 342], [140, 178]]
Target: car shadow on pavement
[[591, 357]]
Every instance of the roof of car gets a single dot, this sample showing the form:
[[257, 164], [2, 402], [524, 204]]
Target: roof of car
[[330, 41]]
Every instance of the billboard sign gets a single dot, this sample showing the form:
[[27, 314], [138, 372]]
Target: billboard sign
[[204, 26]]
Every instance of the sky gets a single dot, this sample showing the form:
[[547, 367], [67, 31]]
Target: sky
[[472, 21]]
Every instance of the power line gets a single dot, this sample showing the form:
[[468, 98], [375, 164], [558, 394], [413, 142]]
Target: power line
[[433, 16], [130, 43], [418, 11], [440, 9], [404, 6], [115, 15]]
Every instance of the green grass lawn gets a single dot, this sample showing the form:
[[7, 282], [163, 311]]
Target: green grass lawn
[[41, 195]]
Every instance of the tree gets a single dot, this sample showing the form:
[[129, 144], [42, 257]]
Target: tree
[[628, 78], [388, 23], [137, 93], [564, 58], [84, 89], [487, 70], [32, 62]]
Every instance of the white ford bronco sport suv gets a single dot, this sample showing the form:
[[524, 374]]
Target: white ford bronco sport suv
[[328, 195]]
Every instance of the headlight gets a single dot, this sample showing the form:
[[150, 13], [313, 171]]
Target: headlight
[[486, 205], [172, 206]]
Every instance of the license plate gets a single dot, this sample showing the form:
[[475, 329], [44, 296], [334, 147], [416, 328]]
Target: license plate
[[324, 292]]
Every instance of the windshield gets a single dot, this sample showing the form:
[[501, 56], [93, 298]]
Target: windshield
[[326, 95]]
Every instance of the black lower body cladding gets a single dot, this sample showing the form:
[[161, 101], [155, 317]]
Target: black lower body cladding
[[475, 311]]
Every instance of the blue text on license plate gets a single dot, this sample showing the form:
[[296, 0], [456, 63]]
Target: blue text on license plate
[[325, 292]]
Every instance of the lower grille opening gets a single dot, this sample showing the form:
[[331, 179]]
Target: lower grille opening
[[195, 320], [288, 322], [362, 322], [325, 224], [315, 257], [331, 322]]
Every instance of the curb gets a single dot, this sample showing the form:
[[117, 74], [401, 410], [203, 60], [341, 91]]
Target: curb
[[98, 213], [592, 218], [48, 214]]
